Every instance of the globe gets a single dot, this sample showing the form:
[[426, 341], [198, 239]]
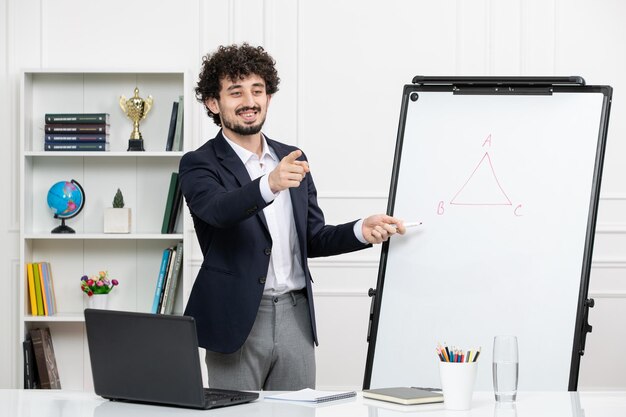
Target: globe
[[66, 199]]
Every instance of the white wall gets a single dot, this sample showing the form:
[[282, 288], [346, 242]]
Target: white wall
[[343, 65]]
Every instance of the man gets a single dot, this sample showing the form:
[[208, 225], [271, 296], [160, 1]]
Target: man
[[254, 207]]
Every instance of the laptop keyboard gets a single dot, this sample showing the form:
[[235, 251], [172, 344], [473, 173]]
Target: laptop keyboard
[[215, 395]]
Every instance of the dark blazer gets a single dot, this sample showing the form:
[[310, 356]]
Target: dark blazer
[[227, 211]]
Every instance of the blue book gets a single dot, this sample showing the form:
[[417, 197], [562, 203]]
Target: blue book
[[47, 282], [76, 137], [159, 284]]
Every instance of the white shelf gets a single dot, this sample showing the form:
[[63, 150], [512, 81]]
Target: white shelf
[[57, 318], [107, 154], [104, 71], [104, 236]]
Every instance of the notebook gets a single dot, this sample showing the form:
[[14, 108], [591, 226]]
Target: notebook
[[312, 396], [150, 358], [404, 395]]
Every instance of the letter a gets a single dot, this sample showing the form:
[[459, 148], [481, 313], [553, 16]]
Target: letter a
[[487, 141]]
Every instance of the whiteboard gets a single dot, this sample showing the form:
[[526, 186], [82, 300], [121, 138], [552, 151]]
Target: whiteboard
[[506, 189]]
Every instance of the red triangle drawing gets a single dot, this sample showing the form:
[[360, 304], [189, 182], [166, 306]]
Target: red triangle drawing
[[482, 188]]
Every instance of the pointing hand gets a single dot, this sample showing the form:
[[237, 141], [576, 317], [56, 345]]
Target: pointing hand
[[289, 173]]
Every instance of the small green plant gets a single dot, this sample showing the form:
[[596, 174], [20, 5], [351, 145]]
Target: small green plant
[[118, 200]]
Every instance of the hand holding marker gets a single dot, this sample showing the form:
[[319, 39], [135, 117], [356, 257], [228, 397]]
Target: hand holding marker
[[409, 225]]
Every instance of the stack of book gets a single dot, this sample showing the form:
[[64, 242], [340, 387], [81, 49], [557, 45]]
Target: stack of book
[[76, 132], [41, 289], [167, 281], [40, 366]]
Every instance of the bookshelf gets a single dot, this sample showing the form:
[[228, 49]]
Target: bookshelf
[[133, 259]]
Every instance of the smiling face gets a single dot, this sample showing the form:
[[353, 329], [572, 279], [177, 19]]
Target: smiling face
[[242, 105]]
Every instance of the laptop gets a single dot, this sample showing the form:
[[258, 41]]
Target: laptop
[[152, 359]]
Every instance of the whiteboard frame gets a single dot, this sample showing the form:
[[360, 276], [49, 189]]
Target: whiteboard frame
[[502, 86]]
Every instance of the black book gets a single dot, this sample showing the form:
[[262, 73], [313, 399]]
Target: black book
[[101, 128], [77, 146], [31, 377], [172, 130]]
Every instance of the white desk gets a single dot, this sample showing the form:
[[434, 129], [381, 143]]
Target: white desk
[[43, 403]]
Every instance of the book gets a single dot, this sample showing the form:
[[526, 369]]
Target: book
[[44, 268], [176, 208], [178, 134], [38, 291], [78, 118], [173, 283], [31, 377], [168, 272], [101, 128], [159, 284], [45, 358], [51, 362], [54, 297], [404, 395], [312, 396], [40, 357], [31, 289], [166, 281], [172, 130], [87, 147], [169, 202], [44, 292], [76, 137]]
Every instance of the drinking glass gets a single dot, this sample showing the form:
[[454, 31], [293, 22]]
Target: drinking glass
[[505, 367]]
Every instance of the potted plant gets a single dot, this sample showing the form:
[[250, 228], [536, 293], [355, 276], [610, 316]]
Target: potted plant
[[117, 218], [97, 288]]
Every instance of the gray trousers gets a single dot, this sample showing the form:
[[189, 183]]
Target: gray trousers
[[277, 356]]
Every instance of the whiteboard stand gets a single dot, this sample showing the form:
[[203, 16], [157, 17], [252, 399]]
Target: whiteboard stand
[[505, 174]]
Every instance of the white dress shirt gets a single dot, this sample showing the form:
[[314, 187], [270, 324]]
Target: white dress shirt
[[285, 271]]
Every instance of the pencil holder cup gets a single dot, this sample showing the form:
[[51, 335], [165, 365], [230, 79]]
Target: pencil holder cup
[[457, 384]]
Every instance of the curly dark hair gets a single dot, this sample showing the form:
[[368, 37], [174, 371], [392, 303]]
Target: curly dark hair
[[234, 62]]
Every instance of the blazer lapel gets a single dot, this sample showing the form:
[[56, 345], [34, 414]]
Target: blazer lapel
[[231, 162]]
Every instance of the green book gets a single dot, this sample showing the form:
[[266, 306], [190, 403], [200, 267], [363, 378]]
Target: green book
[[169, 203], [39, 294]]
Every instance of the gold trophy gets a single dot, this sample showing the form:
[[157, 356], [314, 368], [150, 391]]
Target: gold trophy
[[136, 109]]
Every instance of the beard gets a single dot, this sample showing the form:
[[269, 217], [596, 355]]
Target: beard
[[241, 129]]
